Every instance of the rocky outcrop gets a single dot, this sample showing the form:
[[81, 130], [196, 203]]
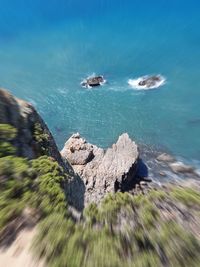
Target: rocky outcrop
[[34, 138], [77, 150], [102, 171]]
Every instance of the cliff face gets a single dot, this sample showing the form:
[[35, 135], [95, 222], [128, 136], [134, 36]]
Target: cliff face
[[34, 138], [98, 172]]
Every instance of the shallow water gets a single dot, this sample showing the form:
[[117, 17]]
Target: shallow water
[[48, 47]]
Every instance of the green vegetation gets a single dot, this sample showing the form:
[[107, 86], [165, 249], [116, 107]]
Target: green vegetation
[[41, 138], [181, 247], [24, 182], [12, 169], [6, 149], [38, 183], [123, 230], [139, 237], [156, 195], [49, 185], [7, 132], [187, 196]]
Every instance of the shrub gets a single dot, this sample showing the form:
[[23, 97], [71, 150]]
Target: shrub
[[91, 243], [7, 132], [15, 182], [41, 138], [12, 167], [187, 196], [6, 149], [112, 204], [180, 247], [91, 214], [38, 183]]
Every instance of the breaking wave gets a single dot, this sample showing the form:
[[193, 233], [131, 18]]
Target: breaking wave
[[134, 83]]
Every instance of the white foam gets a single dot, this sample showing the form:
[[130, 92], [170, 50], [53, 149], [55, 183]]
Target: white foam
[[134, 83]]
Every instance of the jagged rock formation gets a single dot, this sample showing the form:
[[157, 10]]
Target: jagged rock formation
[[34, 138], [102, 171]]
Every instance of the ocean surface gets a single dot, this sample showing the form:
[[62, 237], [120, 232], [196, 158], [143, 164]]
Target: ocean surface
[[48, 47]]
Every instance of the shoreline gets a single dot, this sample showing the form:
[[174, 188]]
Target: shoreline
[[123, 167]]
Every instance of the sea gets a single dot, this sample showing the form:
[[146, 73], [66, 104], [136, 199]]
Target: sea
[[48, 47]]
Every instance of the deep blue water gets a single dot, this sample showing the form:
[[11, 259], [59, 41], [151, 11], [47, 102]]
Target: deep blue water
[[47, 47]]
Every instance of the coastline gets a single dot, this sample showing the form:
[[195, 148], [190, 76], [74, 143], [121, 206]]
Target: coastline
[[98, 192]]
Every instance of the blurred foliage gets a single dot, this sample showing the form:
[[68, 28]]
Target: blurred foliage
[[123, 230], [6, 149], [37, 183], [7, 132], [187, 196], [41, 138], [49, 186]]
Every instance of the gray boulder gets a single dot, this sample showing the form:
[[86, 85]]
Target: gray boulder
[[77, 150]]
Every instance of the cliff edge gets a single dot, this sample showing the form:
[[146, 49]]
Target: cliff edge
[[33, 136]]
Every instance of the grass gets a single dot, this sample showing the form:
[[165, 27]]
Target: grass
[[187, 196]]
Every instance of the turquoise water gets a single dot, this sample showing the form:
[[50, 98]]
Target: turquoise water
[[47, 48]]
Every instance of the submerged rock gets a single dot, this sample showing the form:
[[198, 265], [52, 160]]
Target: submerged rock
[[179, 167], [165, 157], [102, 171]]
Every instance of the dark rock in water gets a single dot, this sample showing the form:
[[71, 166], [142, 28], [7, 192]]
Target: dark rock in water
[[150, 81], [163, 167], [179, 167], [165, 157], [106, 171], [93, 81]]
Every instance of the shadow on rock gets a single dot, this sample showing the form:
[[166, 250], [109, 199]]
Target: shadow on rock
[[141, 175], [142, 170], [75, 191]]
